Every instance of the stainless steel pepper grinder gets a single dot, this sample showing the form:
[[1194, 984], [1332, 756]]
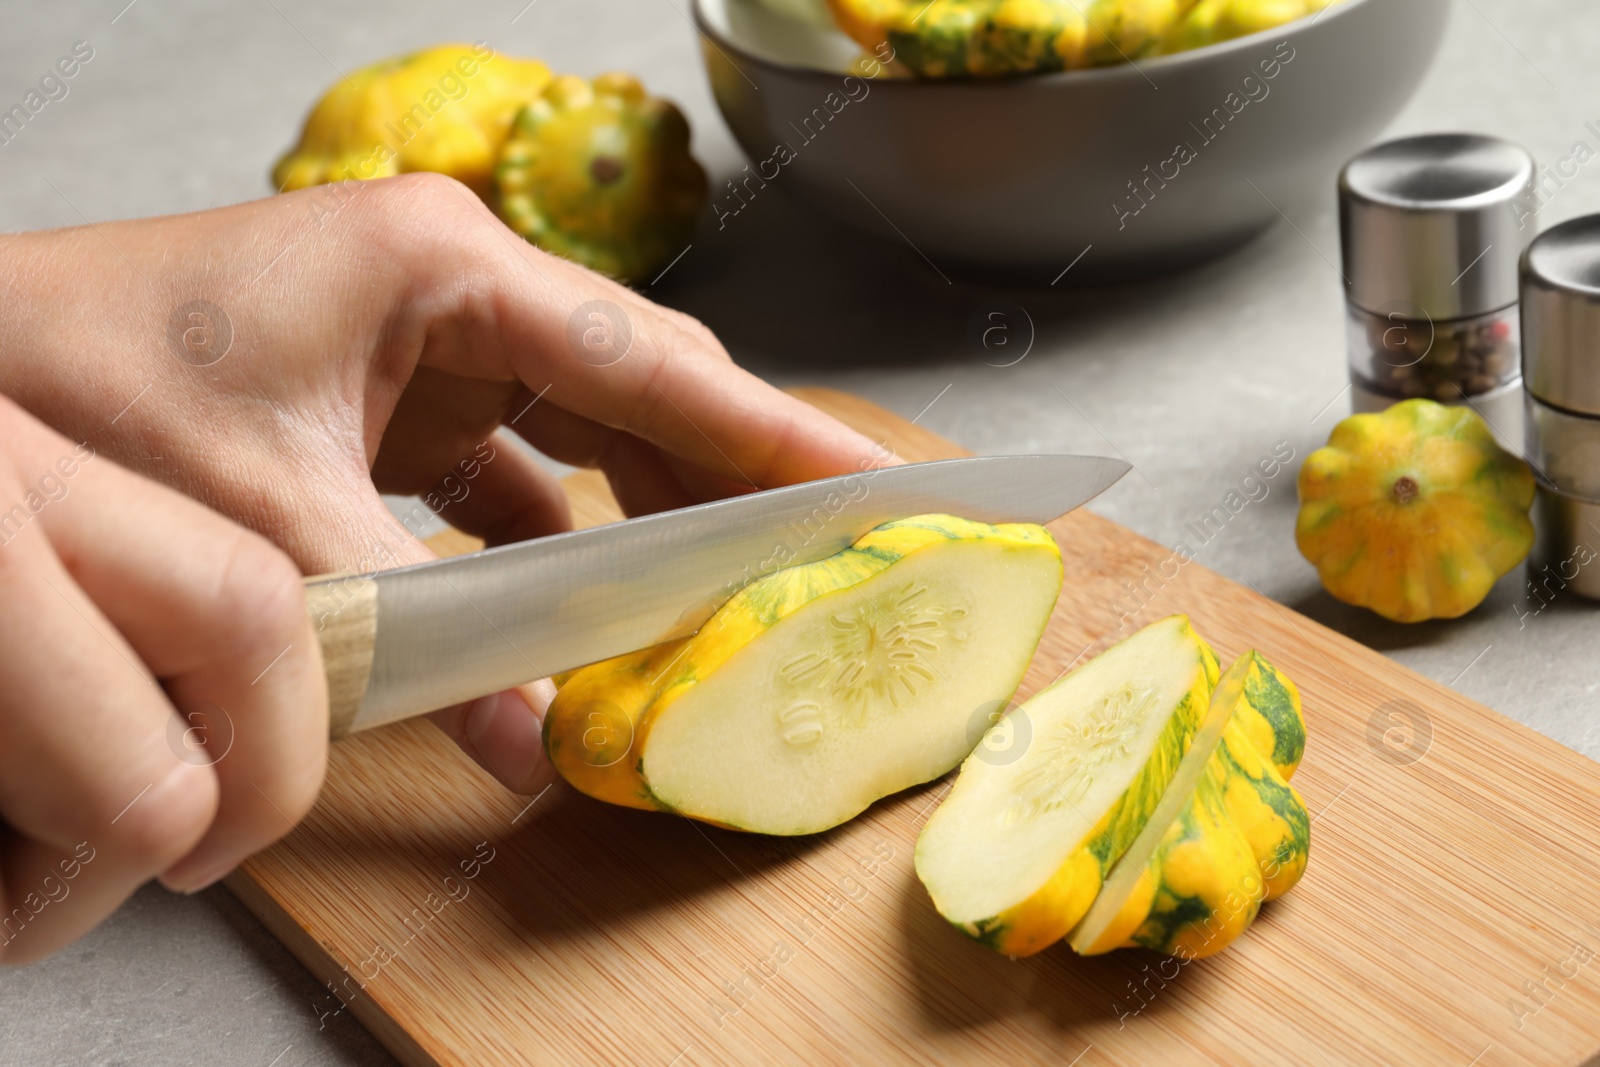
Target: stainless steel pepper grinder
[[1561, 370], [1431, 244]]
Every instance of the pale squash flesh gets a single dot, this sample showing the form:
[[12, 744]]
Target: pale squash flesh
[[859, 694], [1019, 850], [820, 688]]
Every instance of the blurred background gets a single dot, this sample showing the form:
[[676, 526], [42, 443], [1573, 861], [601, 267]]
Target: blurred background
[[1193, 378]]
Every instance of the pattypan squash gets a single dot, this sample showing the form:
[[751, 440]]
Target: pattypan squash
[[1415, 512], [600, 172], [1242, 838], [820, 687], [953, 38], [1210, 21], [1021, 847], [445, 109], [1150, 806], [956, 38]]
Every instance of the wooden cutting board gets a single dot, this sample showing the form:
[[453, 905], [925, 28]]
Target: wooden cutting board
[[1449, 914]]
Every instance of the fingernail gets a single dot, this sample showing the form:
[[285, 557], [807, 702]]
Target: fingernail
[[505, 732], [177, 880]]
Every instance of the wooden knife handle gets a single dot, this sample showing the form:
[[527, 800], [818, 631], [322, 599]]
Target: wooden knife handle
[[344, 608]]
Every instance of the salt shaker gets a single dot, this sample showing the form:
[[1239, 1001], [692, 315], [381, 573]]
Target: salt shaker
[[1431, 243], [1561, 364]]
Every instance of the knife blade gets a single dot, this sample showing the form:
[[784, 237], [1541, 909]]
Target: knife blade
[[402, 642]]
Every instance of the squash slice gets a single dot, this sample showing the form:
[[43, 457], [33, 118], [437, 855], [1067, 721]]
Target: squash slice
[[1230, 833], [1110, 920], [1018, 852], [820, 688]]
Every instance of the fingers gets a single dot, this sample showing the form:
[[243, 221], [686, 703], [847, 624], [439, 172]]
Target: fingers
[[50, 896], [437, 419], [84, 757], [218, 615], [436, 447], [498, 309], [676, 389], [495, 492], [503, 733], [642, 477], [510, 497]]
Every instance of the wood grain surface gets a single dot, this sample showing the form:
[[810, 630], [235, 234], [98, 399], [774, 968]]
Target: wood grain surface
[[1450, 914]]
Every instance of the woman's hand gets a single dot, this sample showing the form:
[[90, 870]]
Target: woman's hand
[[165, 712], [286, 360]]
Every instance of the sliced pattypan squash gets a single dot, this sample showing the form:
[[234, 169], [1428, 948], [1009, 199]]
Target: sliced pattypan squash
[[1195, 880], [600, 172], [1415, 512], [1149, 806], [445, 109], [1270, 715], [1020, 848], [819, 688]]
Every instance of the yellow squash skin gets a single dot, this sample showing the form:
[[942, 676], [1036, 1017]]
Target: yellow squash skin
[[591, 729], [1268, 810], [1056, 907], [599, 172], [1271, 716], [1207, 890], [597, 726], [445, 109], [986, 38], [1415, 512], [1243, 838], [1211, 21]]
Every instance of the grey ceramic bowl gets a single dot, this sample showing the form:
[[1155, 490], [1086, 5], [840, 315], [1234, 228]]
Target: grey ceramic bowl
[[1136, 169]]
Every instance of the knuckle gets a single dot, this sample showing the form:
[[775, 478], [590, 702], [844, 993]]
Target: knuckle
[[700, 334], [259, 598], [645, 410], [160, 826], [427, 197], [432, 183]]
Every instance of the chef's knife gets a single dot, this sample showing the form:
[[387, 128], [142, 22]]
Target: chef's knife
[[401, 642]]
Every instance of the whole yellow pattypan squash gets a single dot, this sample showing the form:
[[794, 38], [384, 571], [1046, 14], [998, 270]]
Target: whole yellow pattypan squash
[[600, 172], [446, 109], [1415, 512]]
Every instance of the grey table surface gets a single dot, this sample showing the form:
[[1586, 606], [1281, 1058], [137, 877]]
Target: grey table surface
[[186, 103]]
